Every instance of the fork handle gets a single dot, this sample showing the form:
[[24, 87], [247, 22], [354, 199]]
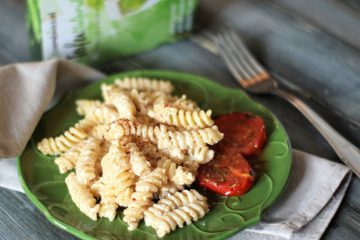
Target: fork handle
[[345, 150]]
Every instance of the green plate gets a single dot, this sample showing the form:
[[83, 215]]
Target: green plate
[[45, 186]]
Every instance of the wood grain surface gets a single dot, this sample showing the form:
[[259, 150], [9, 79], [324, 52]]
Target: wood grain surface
[[311, 46]]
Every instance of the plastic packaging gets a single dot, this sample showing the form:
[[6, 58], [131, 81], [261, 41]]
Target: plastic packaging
[[95, 31]]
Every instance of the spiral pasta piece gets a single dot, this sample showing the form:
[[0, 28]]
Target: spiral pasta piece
[[85, 124], [174, 210], [178, 217], [178, 117], [118, 181], [201, 154], [99, 131], [84, 106], [82, 197], [108, 210], [113, 196], [122, 127], [191, 165], [62, 143], [98, 113], [139, 164], [115, 162], [176, 142], [104, 114], [184, 103], [86, 163], [145, 100], [177, 174], [141, 199], [194, 138], [192, 141], [170, 202], [169, 188], [144, 84], [67, 160], [123, 103]]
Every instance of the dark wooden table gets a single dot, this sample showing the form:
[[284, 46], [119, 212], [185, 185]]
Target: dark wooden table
[[312, 46]]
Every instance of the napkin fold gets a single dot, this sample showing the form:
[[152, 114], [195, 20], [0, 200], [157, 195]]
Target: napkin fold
[[312, 197], [315, 190], [26, 90]]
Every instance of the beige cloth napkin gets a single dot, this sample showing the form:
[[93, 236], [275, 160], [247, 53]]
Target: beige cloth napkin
[[26, 91], [315, 191]]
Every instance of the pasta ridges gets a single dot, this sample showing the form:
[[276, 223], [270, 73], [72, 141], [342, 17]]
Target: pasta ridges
[[62, 143], [82, 197], [117, 182], [123, 103], [201, 154], [144, 84], [142, 197], [176, 218], [139, 164], [103, 114], [84, 106], [179, 175], [67, 160], [122, 127], [86, 163], [184, 103], [174, 210], [188, 119], [145, 100]]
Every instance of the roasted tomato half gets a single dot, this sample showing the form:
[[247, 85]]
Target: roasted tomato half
[[228, 174], [243, 132]]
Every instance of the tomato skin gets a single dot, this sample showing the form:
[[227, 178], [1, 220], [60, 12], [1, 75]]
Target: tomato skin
[[243, 132], [228, 174]]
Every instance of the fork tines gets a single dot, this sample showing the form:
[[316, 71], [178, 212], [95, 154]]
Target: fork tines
[[240, 61]]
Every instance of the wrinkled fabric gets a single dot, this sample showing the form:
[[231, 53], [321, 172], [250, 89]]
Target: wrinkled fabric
[[315, 190], [26, 89]]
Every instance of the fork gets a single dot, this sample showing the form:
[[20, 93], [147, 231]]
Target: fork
[[255, 79]]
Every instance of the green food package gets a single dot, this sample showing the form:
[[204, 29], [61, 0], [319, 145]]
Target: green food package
[[95, 31]]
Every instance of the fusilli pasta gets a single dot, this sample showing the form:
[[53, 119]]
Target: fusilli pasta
[[194, 119], [176, 218], [144, 84], [184, 103], [145, 100], [62, 143], [174, 210], [138, 146], [121, 128], [117, 181], [99, 131], [86, 163], [187, 140], [67, 160], [139, 164], [86, 106], [98, 113], [82, 197], [177, 174], [141, 199], [123, 103]]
